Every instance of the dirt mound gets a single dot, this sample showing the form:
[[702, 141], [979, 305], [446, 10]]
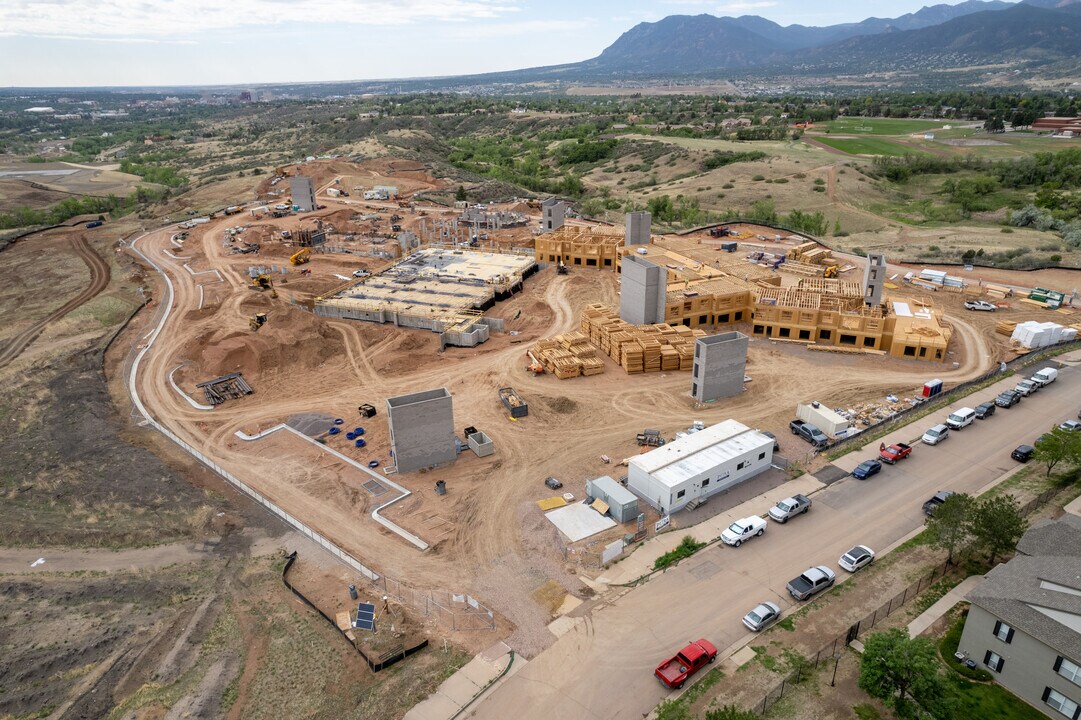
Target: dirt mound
[[562, 405], [289, 341]]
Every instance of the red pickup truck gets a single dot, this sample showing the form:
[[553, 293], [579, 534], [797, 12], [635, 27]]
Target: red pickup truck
[[895, 452], [674, 672]]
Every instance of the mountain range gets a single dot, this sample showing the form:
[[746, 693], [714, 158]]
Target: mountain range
[[975, 32]]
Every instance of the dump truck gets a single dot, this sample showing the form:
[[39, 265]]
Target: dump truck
[[652, 438], [675, 671], [514, 404]]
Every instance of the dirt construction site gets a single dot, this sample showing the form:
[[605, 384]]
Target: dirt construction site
[[485, 538]]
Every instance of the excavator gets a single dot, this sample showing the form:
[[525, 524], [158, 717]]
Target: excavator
[[301, 256], [257, 321], [263, 282], [830, 272]]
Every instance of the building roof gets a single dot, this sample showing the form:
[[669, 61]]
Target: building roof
[[615, 492], [676, 462], [1040, 593], [1060, 537]]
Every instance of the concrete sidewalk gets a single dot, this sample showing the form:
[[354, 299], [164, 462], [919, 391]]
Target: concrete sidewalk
[[940, 608], [640, 562], [463, 687]]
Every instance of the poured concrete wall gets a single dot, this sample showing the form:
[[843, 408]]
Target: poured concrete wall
[[303, 193], [481, 444], [874, 279], [639, 225], [718, 368], [552, 214], [642, 292], [421, 429]]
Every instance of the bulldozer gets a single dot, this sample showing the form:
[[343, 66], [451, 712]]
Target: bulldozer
[[257, 321], [263, 282], [301, 256]]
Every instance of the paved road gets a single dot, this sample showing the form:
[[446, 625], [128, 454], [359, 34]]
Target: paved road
[[602, 668]]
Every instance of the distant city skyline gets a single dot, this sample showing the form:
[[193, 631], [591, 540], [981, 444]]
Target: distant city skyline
[[79, 43]]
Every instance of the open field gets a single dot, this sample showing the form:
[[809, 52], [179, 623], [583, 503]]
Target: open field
[[882, 126], [867, 146]]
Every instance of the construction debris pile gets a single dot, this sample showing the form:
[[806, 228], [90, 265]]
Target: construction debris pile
[[871, 413], [568, 355], [226, 387], [640, 348]]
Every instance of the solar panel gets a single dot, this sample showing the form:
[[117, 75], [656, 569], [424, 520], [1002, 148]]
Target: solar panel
[[365, 616]]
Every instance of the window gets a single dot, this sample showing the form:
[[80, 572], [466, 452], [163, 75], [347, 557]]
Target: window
[[757, 330], [848, 339], [869, 341], [608, 262], [993, 661], [804, 334], [761, 456], [723, 318], [694, 389], [740, 466], [1060, 702], [702, 319], [697, 349], [681, 493], [785, 332], [1003, 632], [910, 351], [591, 262], [923, 352], [705, 482], [1070, 671], [739, 316], [825, 334]]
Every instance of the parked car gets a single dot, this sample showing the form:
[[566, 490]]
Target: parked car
[[936, 435], [1023, 453], [866, 469], [552, 483], [675, 671], [937, 499], [790, 507], [1008, 398], [1044, 377], [811, 582], [744, 529], [763, 615], [1071, 425], [895, 452], [856, 558], [808, 432], [985, 410], [980, 305], [1026, 387], [961, 418]]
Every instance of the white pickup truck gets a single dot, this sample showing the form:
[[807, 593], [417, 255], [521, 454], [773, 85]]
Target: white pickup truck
[[744, 529]]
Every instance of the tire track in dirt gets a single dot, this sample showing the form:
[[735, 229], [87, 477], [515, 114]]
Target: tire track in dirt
[[100, 275]]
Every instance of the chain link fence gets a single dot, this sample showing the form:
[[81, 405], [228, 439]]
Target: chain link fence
[[458, 612]]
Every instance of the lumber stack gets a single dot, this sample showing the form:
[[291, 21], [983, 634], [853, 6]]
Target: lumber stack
[[637, 348], [1005, 327], [999, 292]]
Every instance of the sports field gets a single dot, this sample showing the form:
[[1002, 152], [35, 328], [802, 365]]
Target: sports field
[[868, 146], [880, 126]]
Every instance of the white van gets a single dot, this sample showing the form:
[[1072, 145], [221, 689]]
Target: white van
[[962, 418], [1045, 377]]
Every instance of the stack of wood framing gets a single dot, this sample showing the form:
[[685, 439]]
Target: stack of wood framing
[[999, 292], [640, 348], [1005, 327]]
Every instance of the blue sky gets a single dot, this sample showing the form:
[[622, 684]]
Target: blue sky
[[181, 42]]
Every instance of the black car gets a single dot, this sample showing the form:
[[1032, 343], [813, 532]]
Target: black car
[[776, 445], [1008, 398], [1023, 453], [866, 469], [985, 410], [552, 483]]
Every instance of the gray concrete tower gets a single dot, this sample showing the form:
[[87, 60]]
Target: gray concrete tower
[[638, 228], [303, 192], [421, 429], [642, 291], [719, 364], [552, 213], [874, 278]]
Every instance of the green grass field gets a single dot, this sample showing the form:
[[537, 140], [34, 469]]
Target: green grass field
[[880, 126], [867, 146]]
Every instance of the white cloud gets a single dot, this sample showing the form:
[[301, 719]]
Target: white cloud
[[511, 29], [738, 6], [139, 18]]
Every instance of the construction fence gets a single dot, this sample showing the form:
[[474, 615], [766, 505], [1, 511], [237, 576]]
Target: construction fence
[[948, 396], [833, 649], [384, 660], [458, 612]]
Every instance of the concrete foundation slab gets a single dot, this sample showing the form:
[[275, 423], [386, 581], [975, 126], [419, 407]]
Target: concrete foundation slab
[[579, 521]]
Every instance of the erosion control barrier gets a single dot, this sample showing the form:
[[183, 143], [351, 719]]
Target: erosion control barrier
[[383, 661]]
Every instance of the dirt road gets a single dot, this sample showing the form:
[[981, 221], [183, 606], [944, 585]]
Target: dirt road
[[21, 560], [99, 279]]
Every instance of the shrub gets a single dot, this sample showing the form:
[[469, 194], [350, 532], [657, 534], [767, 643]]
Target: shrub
[[780, 181], [687, 546], [1054, 258], [758, 178], [727, 186]]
